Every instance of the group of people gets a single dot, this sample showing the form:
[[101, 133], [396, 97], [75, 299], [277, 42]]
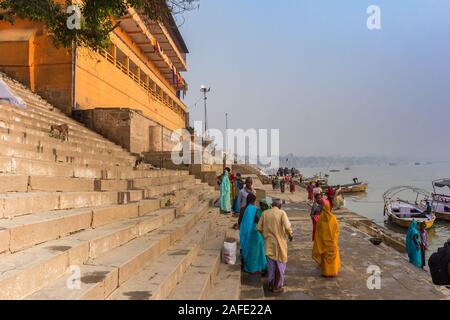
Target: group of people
[[281, 183], [334, 195], [233, 191], [417, 243], [265, 232], [282, 172], [438, 263]]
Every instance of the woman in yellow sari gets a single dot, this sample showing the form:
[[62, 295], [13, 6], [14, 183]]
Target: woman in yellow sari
[[326, 244]]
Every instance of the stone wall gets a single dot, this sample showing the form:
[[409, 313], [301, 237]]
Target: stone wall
[[127, 128]]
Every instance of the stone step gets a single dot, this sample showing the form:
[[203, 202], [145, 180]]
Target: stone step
[[12, 114], [61, 184], [197, 283], [227, 285], [28, 271], [49, 117], [24, 183], [42, 142], [43, 168], [13, 183], [44, 115], [42, 132], [101, 276], [31, 152], [153, 191], [36, 103], [25, 272], [15, 204], [144, 183], [20, 204], [47, 154], [158, 277], [108, 237], [38, 106], [41, 226], [43, 110], [181, 197], [191, 200]]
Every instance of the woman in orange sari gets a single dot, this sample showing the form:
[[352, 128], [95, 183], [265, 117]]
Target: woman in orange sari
[[326, 244]]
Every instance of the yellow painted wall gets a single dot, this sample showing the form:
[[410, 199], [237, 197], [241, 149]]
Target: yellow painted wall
[[101, 84], [47, 70], [37, 63]]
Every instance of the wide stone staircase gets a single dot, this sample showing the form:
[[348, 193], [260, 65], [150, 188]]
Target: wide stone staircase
[[78, 221]]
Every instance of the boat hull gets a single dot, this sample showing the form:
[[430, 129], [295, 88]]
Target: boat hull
[[404, 223], [442, 216], [355, 188]]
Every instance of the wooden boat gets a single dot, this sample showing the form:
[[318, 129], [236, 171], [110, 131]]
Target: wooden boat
[[403, 212], [441, 201], [358, 187], [355, 187], [335, 170]]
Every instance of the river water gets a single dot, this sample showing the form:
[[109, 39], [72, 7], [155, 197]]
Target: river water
[[380, 179]]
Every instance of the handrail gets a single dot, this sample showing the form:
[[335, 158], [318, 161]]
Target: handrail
[[141, 83]]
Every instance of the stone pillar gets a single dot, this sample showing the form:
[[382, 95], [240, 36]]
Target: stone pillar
[[156, 139]]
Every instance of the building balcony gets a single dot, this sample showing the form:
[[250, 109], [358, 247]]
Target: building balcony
[[167, 59]]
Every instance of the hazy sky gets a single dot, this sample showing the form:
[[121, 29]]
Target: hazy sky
[[312, 69]]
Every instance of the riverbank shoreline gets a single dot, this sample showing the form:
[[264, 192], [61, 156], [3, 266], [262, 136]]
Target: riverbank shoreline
[[399, 279]]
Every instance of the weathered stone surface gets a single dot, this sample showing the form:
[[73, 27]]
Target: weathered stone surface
[[148, 206], [13, 183], [4, 240], [30, 230], [111, 185], [12, 205], [38, 183], [109, 214], [158, 279], [96, 283], [24, 273], [70, 200]]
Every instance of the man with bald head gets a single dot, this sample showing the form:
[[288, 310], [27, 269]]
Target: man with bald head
[[276, 229]]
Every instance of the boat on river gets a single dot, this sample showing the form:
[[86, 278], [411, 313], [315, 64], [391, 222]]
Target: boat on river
[[358, 187], [402, 212], [441, 200]]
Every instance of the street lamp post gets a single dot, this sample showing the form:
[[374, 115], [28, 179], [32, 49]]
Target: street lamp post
[[205, 90]]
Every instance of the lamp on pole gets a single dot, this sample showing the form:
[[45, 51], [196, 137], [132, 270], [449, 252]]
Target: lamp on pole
[[205, 90]]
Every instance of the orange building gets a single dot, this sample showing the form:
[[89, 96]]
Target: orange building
[[130, 93]]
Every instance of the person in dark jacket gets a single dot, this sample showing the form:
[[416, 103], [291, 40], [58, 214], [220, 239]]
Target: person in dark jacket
[[439, 264]]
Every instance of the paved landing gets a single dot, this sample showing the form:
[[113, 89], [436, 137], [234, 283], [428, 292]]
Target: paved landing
[[399, 279]]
